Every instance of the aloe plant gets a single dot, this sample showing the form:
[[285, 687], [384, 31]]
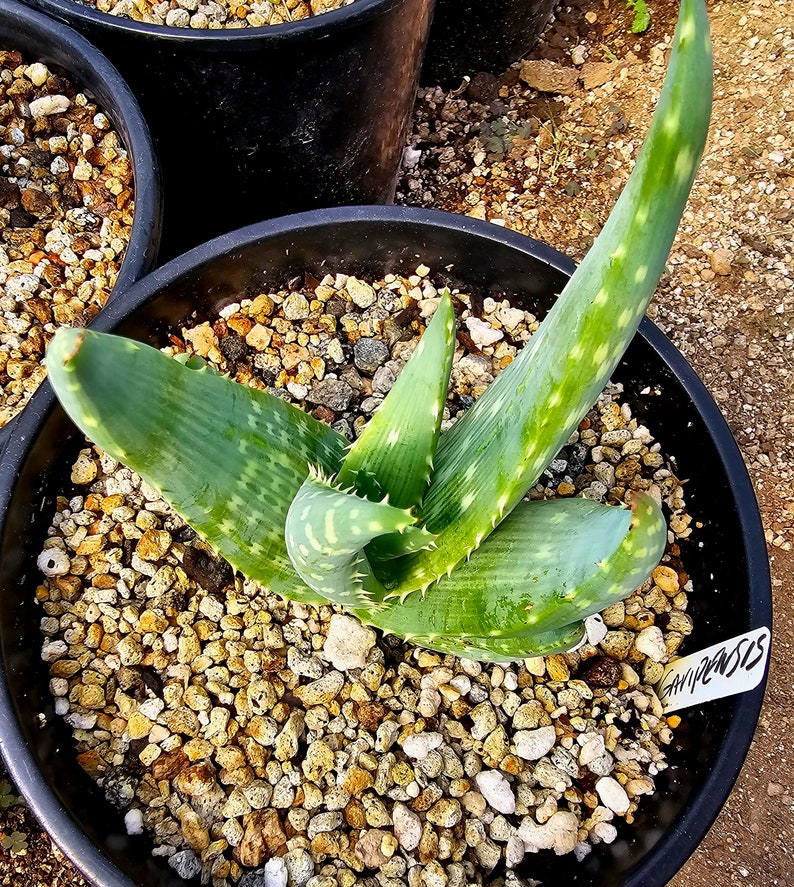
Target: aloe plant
[[399, 527]]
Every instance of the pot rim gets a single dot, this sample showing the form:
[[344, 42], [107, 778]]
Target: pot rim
[[92, 73], [212, 40], [703, 806]]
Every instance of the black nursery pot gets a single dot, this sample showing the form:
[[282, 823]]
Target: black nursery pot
[[469, 36], [726, 559], [258, 122], [40, 38]]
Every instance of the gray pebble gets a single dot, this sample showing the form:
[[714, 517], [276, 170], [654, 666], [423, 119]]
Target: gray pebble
[[478, 693], [256, 878], [369, 354], [301, 664], [383, 380], [323, 822], [300, 867], [332, 393], [185, 863]]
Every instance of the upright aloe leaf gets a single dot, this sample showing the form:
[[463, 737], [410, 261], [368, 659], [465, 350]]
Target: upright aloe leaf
[[230, 459], [489, 459], [395, 451]]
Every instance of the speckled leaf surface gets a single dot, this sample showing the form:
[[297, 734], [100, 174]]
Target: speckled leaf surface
[[488, 460], [552, 564], [393, 457], [326, 531], [394, 454], [489, 649], [229, 458]]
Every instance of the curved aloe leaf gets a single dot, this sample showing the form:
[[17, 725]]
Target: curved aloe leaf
[[396, 448], [492, 456], [550, 565], [581, 557], [326, 531], [229, 458]]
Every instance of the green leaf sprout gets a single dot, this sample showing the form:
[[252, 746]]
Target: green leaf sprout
[[9, 797], [16, 843], [642, 18]]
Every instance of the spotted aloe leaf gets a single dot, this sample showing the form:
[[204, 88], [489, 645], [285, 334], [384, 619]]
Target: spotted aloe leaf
[[395, 451], [326, 531], [393, 457], [521, 645], [489, 459], [550, 566], [229, 458]]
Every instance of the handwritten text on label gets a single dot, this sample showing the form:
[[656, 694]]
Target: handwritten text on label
[[733, 666]]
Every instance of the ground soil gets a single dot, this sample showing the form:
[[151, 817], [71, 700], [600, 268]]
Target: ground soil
[[727, 303]]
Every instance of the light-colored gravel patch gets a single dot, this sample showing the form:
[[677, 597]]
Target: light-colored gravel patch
[[216, 14], [66, 205]]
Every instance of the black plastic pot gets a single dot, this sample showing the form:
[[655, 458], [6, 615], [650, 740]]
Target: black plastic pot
[[469, 36], [726, 560], [255, 123], [42, 39]]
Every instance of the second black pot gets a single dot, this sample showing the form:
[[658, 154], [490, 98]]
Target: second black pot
[[258, 122], [41, 39], [726, 559], [469, 36]]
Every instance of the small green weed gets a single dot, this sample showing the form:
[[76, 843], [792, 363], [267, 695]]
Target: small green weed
[[497, 135], [8, 795], [642, 18], [16, 843]]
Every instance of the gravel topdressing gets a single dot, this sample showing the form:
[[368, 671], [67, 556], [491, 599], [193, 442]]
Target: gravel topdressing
[[66, 205], [245, 734], [217, 13]]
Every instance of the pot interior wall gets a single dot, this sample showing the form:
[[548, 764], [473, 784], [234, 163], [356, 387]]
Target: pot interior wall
[[65, 52], [714, 559]]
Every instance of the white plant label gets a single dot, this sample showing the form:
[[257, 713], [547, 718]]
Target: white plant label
[[733, 666]]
